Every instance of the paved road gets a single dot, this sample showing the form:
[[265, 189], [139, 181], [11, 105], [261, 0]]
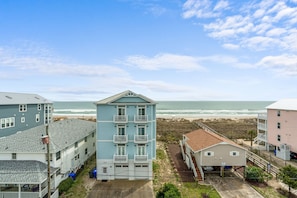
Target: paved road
[[232, 187], [122, 189]]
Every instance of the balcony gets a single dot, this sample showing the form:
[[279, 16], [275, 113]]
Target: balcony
[[262, 116], [120, 159], [262, 126], [141, 139], [120, 139], [140, 118], [140, 158], [261, 137], [120, 118]]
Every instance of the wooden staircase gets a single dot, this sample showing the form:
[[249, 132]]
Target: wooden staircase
[[199, 176]]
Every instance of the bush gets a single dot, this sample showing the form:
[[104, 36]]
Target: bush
[[169, 191], [65, 185], [254, 173]]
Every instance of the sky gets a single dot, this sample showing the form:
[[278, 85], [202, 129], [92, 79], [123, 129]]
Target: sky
[[164, 49]]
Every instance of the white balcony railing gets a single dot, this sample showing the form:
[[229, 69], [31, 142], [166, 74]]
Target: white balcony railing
[[261, 137], [120, 158], [141, 139], [262, 116], [262, 126], [120, 118], [140, 118], [120, 139], [140, 158]]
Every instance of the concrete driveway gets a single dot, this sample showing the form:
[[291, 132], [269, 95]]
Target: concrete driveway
[[122, 189], [232, 187]]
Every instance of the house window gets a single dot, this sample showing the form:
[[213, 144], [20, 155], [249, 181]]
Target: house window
[[141, 149], [38, 107], [141, 130], [7, 122], [104, 169], [86, 139], [278, 125], [22, 107], [121, 130], [58, 155], [121, 149], [37, 117], [121, 110], [76, 157], [76, 144], [13, 156], [234, 153], [141, 110], [23, 119], [278, 113], [278, 138], [208, 153], [94, 144], [86, 151], [93, 134]]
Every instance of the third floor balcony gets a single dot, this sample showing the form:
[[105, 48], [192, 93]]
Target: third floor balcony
[[120, 118], [120, 139], [140, 118]]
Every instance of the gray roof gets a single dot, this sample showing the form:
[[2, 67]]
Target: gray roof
[[127, 93], [7, 98], [61, 133], [284, 104], [23, 172]]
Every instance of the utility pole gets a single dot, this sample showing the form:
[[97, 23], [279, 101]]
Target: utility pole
[[45, 140]]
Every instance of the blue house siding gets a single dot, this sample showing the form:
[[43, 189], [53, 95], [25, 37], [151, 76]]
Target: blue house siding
[[33, 113], [126, 138]]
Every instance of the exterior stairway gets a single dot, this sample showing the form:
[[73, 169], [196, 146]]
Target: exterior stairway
[[199, 176]]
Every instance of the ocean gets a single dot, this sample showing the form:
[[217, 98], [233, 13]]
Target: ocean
[[176, 109]]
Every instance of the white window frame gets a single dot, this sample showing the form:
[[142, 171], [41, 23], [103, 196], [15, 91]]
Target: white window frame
[[37, 117], [141, 110], [121, 130], [141, 130], [22, 108], [7, 122], [23, 119], [141, 149], [38, 107], [208, 153], [121, 110], [121, 149], [234, 153]]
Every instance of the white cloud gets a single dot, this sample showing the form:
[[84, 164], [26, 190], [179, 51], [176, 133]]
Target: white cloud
[[262, 24], [231, 46], [285, 64], [199, 9], [164, 61]]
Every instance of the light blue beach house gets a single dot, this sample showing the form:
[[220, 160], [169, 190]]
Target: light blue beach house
[[22, 111], [126, 137]]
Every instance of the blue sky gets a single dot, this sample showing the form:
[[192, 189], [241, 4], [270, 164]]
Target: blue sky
[[164, 49]]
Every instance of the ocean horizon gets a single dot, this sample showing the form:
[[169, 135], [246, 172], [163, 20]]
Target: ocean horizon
[[175, 109]]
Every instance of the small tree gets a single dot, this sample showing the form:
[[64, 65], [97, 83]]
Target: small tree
[[168, 191], [254, 173], [288, 175], [252, 134]]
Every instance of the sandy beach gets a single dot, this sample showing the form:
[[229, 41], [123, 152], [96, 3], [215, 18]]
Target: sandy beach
[[170, 129]]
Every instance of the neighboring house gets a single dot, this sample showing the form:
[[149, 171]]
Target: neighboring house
[[20, 111], [126, 137], [277, 129], [206, 151], [71, 143], [24, 179]]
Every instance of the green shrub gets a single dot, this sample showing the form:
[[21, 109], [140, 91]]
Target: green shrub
[[168, 191], [254, 173], [65, 185]]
